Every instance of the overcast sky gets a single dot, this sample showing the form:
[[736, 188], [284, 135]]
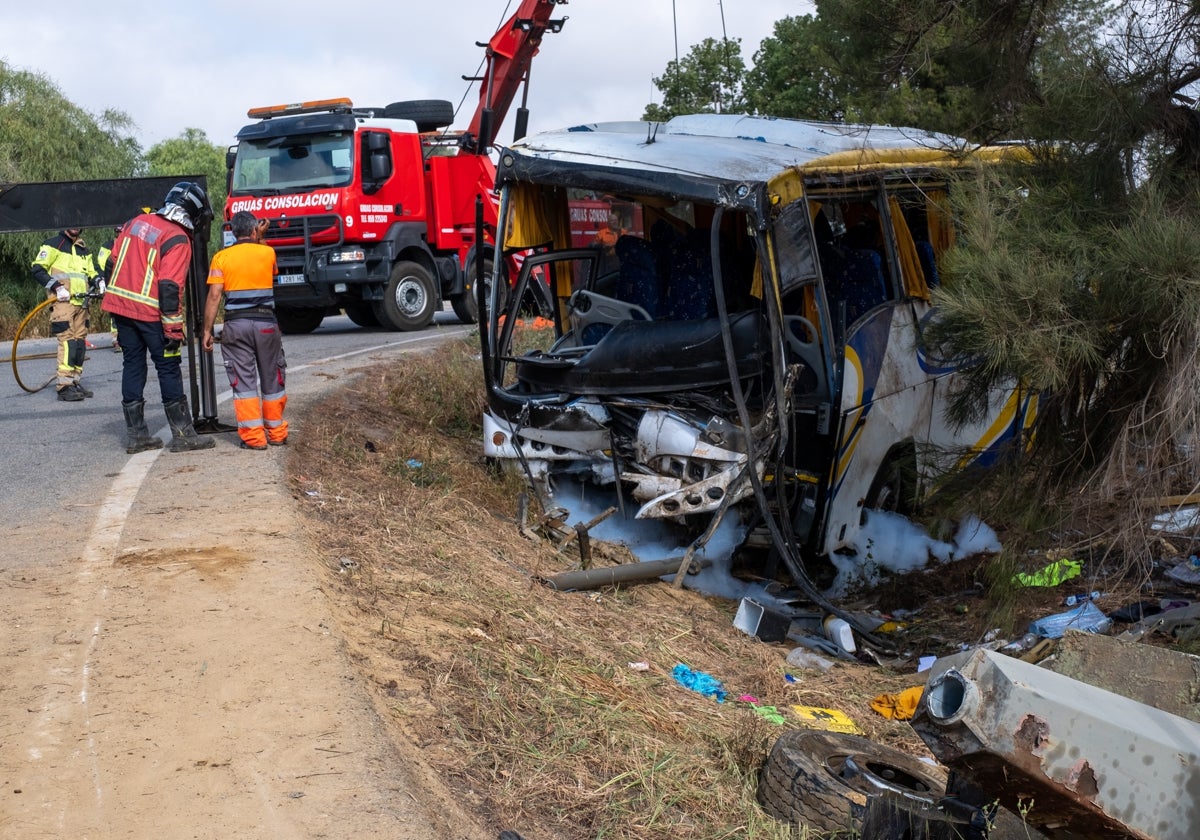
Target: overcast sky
[[203, 64]]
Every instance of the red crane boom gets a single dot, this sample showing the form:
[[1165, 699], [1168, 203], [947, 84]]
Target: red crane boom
[[509, 55]]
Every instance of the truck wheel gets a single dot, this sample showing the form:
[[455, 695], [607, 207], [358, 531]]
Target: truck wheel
[[298, 320], [362, 313], [823, 779], [466, 306], [410, 299], [428, 114]]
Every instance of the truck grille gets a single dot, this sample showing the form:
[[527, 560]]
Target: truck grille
[[299, 233]]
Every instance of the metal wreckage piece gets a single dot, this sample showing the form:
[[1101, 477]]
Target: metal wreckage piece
[[1075, 761]]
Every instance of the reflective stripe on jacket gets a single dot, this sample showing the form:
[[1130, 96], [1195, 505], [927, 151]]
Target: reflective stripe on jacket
[[148, 269], [61, 260]]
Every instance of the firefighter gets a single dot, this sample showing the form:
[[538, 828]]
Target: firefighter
[[148, 272], [251, 344], [64, 266]]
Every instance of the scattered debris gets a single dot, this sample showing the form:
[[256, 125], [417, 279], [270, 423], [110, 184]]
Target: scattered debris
[[1052, 575], [699, 682], [826, 720], [899, 706], [804, 658], [1087, 618]]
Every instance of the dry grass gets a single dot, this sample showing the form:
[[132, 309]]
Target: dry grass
[[521, 696]]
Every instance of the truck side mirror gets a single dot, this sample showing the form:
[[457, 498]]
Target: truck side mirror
[[377, 167]]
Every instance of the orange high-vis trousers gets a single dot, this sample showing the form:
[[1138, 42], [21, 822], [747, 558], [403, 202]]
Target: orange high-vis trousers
[[252, 350]]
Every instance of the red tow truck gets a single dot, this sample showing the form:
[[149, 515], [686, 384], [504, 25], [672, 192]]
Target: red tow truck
[[372, 209]]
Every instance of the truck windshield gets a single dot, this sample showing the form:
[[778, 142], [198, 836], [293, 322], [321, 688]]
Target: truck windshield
[[293, 164]]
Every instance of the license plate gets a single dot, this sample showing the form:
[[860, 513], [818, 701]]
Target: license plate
[[289, 279]]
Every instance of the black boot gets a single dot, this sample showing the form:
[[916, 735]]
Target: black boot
[[184, 438], [140, 438]]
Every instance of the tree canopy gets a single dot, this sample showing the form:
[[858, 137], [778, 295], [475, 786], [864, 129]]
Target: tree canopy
[[46, 137], [708, 80]]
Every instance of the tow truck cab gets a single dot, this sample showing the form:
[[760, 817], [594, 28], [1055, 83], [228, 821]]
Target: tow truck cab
[[371, 210]]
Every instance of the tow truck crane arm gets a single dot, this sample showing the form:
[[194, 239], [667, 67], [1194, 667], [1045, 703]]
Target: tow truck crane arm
[[509, 55]]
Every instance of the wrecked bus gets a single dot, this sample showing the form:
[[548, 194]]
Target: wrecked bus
[[750, 343]]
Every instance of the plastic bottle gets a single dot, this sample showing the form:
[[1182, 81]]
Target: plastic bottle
[[1073, 600], [838, 631], [805, 658]]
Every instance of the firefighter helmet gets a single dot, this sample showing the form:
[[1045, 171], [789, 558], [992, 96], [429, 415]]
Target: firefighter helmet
[[191, 198]]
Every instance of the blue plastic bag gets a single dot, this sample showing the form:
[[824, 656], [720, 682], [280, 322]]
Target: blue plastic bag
[[1087, 618]]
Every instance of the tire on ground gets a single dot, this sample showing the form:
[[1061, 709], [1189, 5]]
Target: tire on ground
[[298, 320], [822, 779], [410, 299]]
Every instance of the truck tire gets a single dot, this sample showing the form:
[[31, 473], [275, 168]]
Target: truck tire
[[362, 313], [822, 780], [466, 305], [410, 298], [298, 320], [428, 114]]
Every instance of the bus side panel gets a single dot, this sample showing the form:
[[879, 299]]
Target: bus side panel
[[890, 396]]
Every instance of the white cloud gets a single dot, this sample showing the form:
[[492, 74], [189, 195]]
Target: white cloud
[[203, 65]]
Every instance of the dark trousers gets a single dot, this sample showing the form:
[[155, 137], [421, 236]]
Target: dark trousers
[[137, 339]]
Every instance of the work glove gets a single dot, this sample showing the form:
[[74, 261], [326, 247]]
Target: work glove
[[61, 293], [174, 339]]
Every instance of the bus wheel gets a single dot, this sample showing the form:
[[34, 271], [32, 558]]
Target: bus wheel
[[895, 486], [410, 298], [298, 320]]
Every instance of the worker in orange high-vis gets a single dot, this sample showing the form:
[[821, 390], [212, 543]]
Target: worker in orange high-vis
[[251, 344]]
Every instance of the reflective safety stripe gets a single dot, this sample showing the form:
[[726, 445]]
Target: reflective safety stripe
[[143, 296]]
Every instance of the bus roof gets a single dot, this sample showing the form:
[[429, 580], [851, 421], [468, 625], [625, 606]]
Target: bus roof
[[695, 156]]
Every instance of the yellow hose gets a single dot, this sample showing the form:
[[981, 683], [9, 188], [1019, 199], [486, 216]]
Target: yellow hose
[[17, 337]]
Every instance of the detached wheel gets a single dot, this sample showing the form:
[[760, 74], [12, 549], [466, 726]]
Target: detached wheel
[[298, 320], [361, 313], [466, 305], [823, 780], [410, 299]]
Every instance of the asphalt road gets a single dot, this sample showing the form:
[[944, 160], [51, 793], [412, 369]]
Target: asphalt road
[[59, 459]]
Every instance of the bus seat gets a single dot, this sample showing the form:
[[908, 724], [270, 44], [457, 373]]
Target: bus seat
[[861, 283], [637, 280], [690, 294], [928, 263]]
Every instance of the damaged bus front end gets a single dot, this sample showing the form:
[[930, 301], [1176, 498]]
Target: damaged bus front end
[[746, 340]]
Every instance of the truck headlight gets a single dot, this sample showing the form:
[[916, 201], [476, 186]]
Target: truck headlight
[[347, 255]]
